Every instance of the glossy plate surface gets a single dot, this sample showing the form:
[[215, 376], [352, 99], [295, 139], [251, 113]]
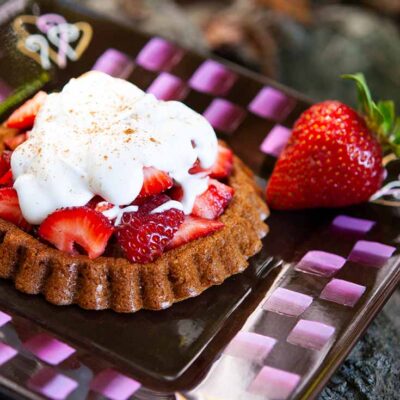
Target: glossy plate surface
[[174, 349]]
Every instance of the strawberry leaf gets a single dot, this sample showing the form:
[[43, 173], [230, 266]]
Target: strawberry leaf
[[396, 130], [366, 104], [387, 110], [380, 117]]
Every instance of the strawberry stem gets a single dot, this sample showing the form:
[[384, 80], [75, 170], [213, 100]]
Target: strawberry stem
[[22, 93], [380, 117]]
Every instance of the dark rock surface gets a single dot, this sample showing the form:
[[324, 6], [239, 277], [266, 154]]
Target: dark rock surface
[[342, 39], [372, 370]]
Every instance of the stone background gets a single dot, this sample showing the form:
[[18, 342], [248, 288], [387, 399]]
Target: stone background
[[306, 45]]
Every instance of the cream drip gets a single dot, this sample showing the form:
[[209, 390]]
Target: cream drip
[[95, 137]]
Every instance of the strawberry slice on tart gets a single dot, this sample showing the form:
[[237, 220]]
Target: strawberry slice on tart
[[12, 142], [212, 203], [6, 180], [5, 161], [194, 228], [10, 209], [144, 235], [6, 177], [155, 182], [84, 226], [24, 116], [222, 167]]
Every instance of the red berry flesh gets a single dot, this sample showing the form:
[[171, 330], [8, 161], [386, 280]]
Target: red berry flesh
[[332, 160], [81, 225], [143, 237]]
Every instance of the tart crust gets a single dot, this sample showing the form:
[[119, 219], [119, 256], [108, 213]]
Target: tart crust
[[116, 283]]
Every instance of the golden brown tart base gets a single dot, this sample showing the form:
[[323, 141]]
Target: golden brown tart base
[[116, 283]]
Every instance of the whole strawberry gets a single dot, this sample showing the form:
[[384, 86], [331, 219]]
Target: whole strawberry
[[334, 156]]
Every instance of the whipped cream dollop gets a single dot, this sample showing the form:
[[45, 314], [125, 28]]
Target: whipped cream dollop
[[95, 137]]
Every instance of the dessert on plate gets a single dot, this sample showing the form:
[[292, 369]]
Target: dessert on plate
[[110, 198]]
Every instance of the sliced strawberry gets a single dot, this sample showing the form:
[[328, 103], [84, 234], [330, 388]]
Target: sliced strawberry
[[176, 193], [12, 142], [196, 168], [81, 225], [5, 162], [7, 179], [92, 203], [194, 228], [143, 237], [102, 206], [212, 203], [222, 167], [98, 204], [24, 116], [148, 204], [9, 208], [155, 182], [224, 164]]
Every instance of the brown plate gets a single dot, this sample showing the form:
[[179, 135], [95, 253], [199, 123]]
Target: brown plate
[[174, 349]]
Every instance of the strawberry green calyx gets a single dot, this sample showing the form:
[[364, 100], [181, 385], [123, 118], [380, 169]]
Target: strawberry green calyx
[[380, 117]]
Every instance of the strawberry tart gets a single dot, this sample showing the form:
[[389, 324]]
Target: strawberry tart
[[110, 198]]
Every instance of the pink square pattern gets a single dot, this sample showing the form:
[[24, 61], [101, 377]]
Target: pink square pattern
[[52, 384], [48, 349], [6, 353], [168, 87], [287, 302], [114, 385], [272, 103], [352, 224], [114, 63], [224, 115], [250, 345], [369, 253], [4, 318], [159, 55], [342, 292], [276, 140], [320, 263], [311, 334], [213, 77], [274, 383]]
